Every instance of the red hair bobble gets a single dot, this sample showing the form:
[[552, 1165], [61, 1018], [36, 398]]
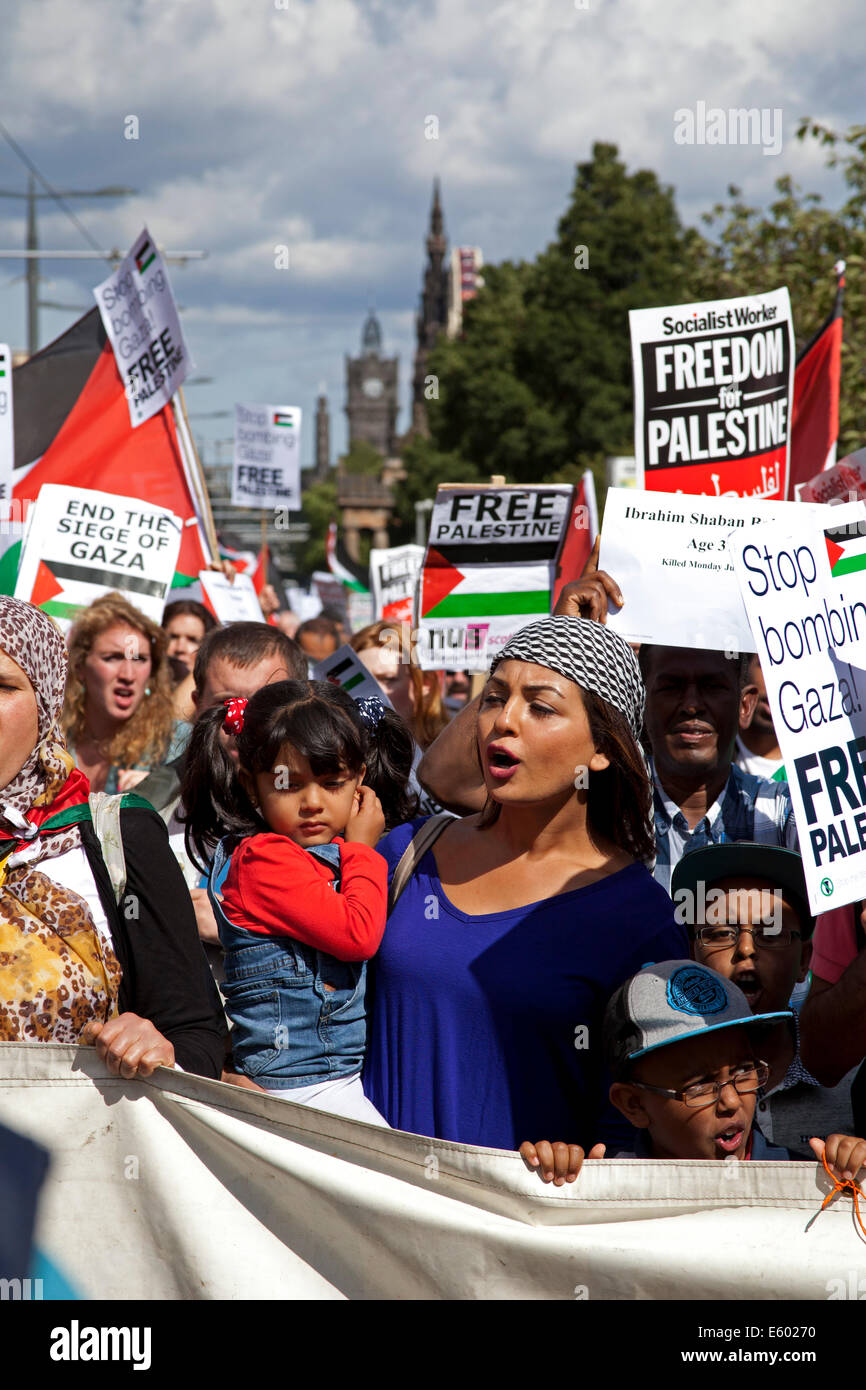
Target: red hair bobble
[[234, 720]]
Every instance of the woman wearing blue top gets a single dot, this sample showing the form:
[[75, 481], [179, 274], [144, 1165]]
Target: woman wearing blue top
[[499, 957]]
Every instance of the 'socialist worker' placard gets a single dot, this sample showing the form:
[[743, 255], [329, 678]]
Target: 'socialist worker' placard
[[80, 544], [804, 588], [267, 466], [141, 320], [713, 387], [488, 570]]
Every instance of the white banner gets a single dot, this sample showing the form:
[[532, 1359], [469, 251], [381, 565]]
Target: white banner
[[79, 544], [393, 579], [804, 588], [232, 601], [141, 320], [267, 461], [7, 430], [713, 390], [671, 556], [207, 1191]]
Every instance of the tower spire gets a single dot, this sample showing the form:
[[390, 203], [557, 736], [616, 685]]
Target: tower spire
[[432, 316]]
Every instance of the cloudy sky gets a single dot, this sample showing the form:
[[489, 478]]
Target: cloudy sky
[[304, 123]]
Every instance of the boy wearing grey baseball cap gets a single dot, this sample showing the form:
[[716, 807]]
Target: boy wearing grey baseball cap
[[684, 1050]]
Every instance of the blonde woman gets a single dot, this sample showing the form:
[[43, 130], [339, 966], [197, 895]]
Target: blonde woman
[[118, 715]]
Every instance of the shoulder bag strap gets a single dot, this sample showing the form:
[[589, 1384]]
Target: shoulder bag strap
[[414, 853], [105, 813]]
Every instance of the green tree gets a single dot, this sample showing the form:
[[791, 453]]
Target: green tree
[[795, 242], [538, 387], [362, 458], [318, 510], [426, 467]]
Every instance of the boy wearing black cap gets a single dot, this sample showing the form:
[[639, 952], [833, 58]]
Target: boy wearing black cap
[[746, 910], [685, 1053]]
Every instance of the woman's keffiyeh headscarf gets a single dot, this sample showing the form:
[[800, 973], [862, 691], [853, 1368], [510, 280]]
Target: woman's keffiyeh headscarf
[[30, 638], [585, 652], [56, 970]]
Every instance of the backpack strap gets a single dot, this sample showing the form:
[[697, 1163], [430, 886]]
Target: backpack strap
[[414, 852]]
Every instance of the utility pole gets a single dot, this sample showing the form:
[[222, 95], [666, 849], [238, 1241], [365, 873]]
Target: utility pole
[[32, 253]]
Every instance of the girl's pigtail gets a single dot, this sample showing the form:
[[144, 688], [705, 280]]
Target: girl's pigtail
[[390, 754], [214, 801]]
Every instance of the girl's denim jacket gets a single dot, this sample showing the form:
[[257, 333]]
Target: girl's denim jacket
[[298, 1014]]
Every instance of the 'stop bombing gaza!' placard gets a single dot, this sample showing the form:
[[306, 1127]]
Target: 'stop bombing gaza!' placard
[[713, 390]]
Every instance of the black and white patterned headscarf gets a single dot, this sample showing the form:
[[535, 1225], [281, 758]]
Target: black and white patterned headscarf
[[588, 653]]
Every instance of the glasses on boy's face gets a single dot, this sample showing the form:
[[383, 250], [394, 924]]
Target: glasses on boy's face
[[718, 938], [751, 1076]]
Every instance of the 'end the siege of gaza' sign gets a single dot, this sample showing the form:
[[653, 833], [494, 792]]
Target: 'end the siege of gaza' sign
[[803, 583], [80, 544], [713, 390]]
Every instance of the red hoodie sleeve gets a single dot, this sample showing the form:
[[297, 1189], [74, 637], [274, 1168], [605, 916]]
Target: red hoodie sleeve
[[277, 889]]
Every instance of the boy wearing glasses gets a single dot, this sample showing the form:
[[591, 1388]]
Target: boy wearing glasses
[[746, 910], [685, 1053]]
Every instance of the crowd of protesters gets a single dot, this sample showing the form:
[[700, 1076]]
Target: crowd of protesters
[[567, 915]]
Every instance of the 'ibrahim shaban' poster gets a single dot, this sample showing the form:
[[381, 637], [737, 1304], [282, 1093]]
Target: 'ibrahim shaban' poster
[[713, 389]]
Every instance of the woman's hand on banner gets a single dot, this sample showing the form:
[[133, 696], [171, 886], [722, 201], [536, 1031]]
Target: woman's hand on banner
[[129, 1046], [588, 596]]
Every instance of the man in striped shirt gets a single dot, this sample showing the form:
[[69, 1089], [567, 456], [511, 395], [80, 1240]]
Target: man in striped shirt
[[700, 796]]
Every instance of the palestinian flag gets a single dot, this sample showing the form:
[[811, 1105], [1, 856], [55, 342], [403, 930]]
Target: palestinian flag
[[283, 420], [257, 566], [453, 591], [579, 536], [144, 256], [340, 570], [72, 427], [815, 415], [846, 553]]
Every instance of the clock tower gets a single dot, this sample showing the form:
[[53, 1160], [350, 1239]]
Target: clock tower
[[371, 392]]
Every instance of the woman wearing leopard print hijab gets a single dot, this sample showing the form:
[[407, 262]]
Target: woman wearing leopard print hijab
[[71, 969]]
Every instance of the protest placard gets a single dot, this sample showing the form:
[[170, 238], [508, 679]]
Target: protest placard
[[267, 459], [330, 591], [803, 583], [671, 556], [713, 386], [7, 430], [79, 544], [231, 601], [845, 481], [488, 570], [393, 578], [140, 317], [346, 669]]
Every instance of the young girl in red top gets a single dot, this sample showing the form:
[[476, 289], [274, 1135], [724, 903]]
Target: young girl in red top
[[299, 892]]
